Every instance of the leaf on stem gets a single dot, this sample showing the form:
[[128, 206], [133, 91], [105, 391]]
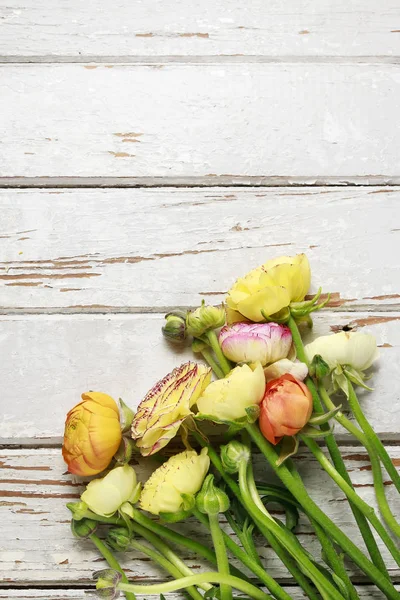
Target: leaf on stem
[[289, 447]]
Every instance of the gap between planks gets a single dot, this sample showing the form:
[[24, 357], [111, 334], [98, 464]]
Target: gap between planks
[[197, 59], [224, 181]]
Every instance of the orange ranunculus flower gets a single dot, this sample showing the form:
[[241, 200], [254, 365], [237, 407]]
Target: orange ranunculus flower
[[92, 434], [285, 409]]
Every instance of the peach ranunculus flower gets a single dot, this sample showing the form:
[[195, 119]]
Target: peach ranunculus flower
[[92, 434], [167, 405], [285, 409], [269, 288]]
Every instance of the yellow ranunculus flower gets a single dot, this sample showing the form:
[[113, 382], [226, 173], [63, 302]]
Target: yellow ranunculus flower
[[92, 434], [270, 288], [106, 495], [181, 474], [228, 398], [167, 405]]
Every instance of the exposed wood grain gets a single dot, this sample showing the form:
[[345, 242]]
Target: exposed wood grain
[[48, 361], [76, 594], [156, 28], [95, 250], [197, 120], [37, 546]]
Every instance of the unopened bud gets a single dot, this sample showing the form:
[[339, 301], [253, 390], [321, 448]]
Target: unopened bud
[[211, 500], [78, 509], [107, 581], [205, 318], [127, 416], [125, 451], [83, 528], [174, 329], [319, 368], [119, 539], [233, 454]]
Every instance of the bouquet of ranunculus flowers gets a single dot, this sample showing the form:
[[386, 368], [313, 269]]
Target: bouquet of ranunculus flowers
[[264, 392]]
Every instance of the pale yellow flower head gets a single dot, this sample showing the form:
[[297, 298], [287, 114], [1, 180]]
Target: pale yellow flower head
[[167, 405], [269, 288], [181, 474], [355, 349], [228, 398], [106, 495]]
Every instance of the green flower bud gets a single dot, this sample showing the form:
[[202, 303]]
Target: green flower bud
[[204, 318], [233, 454], [119, 539], [211, 500], [319, 368], [175, 328], [106, 583], [127, 416], [125, 451], [83, 528], [78, 509]]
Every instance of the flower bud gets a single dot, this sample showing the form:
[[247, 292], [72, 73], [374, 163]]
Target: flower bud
[[78, 509], [233, 454], [204, 318], [252, 342], [125, 451], [285, 408], [174, 329], [127, 415], [119, 539], [285, 366], [83, 528], [211, 500], [107, 581], [318, 367]]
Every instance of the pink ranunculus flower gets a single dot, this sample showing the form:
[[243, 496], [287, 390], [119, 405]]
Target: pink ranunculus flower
[[253, 342]]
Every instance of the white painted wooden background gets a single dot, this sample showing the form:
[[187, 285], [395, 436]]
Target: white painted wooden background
[[164, 148]]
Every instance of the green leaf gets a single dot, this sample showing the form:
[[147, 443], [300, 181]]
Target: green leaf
[[289, 447], [314, 433], [253, 412], [320, 419], [357, 378]]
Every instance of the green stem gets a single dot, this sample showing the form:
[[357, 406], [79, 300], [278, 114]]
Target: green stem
[[208, 357], [112, 562], [324, 586], [248, 545], [336, 456], [375, 465], [372, 437], [334, 561], [282, 554], [311, 508], [180, 540], [166, 565], [165, 550], [220, 553], [211, 577], [223, 361], [269, 582], [365, 508]]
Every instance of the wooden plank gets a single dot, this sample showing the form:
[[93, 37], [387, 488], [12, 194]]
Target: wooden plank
[[105, 250], [176, 120], [279, 28], [48, 361], [76, 594], [38, 547]]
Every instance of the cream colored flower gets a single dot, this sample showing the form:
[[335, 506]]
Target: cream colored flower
[[355, 349], [106, 495], [167, 405], [181, 474], [228, 398]]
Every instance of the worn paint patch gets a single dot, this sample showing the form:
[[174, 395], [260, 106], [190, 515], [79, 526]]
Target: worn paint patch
[[121, 154], [203, 36]]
